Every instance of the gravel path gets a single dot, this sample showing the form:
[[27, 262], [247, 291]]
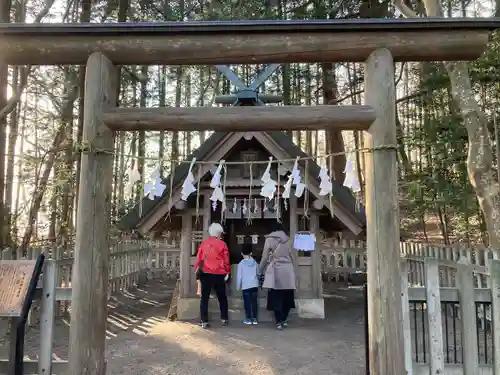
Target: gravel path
[[141, 341]]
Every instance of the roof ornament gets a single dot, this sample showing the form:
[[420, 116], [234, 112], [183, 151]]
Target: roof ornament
[[244, 208], [188, 184], [287, 189], [256, 207], [325, 184], [133, 176], [351, 177], [299, 186], [155, 188], [268, 184], [235, 206], [218, 194]]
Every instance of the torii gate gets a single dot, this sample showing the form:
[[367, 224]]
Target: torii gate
[[103, 47]]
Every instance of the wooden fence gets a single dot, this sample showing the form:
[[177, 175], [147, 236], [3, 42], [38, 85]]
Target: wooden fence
[[431, 276], [475, 312], [340, 258], [130, 263]]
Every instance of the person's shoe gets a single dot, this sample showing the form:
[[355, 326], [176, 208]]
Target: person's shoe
[[224, 322], [247, 322], [280, 326], [285, 324], [205, 325], [254, 321]]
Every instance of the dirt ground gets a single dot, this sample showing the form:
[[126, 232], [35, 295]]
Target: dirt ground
[[142, 342]]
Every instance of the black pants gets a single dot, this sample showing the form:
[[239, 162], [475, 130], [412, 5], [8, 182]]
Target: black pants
[[250, 302], [209, 281], [281, 316], [280, 302]]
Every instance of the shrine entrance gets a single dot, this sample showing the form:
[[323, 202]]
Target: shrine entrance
[[248, 228], [241, 231]]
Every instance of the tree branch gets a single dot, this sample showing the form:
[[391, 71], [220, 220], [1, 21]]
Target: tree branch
[[14, 99], [405, 9]]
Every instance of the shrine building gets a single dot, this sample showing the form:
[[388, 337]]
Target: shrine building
[[247, 214]]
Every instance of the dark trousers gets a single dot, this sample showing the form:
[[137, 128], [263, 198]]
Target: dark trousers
[[280, 301], [281, 315], [250, 302], [209, 281]]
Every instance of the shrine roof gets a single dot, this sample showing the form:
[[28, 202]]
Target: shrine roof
[[343, 195]]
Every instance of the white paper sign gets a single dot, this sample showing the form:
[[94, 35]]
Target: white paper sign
[[304, 242]]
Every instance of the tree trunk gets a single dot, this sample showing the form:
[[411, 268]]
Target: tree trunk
[[41, 187], [5, 6], [178, 96], [19, 172], [141, 146], [334, 140], [13, 130], [161, 147], [123, 6], [84, 17], [187, 101], [480, 166]]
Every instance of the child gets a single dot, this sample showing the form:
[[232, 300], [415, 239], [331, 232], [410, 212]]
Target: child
[[248, 282]]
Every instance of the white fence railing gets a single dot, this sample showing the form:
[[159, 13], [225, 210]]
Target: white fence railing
[[430, 275], [130, 264], [478, 315]]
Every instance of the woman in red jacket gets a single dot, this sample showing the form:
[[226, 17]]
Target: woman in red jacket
[[213, 267]]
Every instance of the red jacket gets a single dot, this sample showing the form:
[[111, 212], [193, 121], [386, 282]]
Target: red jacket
[[214, 255]]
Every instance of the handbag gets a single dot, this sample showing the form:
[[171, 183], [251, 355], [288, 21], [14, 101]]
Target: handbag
[[270, 263]]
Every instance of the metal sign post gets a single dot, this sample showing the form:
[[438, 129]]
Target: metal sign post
[[18, 282]]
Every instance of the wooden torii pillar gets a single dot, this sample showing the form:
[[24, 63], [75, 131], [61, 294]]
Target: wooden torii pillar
[[89, 285], [385, 318]]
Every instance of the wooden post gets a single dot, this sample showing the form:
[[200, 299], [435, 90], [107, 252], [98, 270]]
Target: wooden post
[[494, 268], [468, 316], [433, 302], [90, 268], [317, 281], [405, 308], [186, 243], [149, 263], [207, 207], [382, 212], [47, 318], [294, 226]]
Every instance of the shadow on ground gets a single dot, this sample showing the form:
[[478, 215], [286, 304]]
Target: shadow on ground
[[142, 341]]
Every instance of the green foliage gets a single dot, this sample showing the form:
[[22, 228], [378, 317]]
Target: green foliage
[[434, 131]]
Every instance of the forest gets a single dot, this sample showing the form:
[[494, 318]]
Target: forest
[[446, 118]]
